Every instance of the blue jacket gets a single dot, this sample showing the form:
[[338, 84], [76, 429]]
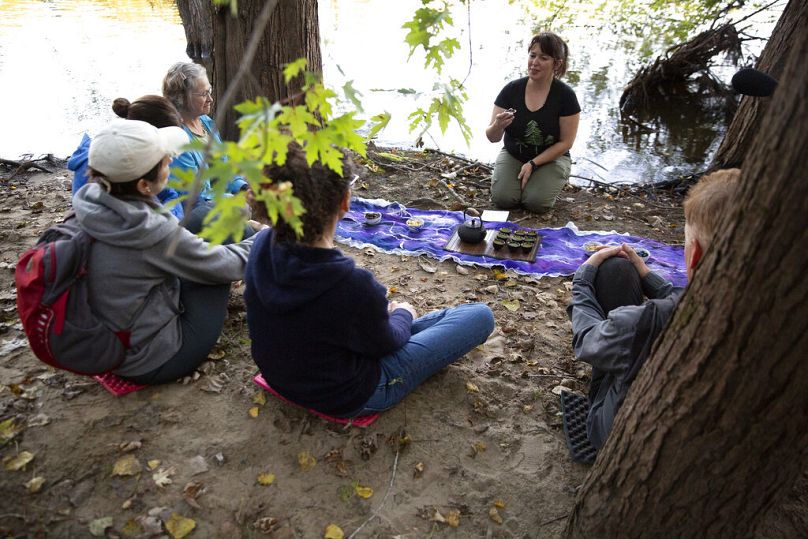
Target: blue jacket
[[194, 160], [318, 324], [78, 163]]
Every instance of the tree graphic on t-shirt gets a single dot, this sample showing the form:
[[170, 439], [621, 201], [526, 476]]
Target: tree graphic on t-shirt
[[534, 137]]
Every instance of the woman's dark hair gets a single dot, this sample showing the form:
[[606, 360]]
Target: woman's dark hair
[[126, 189], [319, 189], [551, 44], [153, 109]]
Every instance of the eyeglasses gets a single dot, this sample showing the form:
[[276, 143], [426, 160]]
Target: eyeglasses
[[208, 93]]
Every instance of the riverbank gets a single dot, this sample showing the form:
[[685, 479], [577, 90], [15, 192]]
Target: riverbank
[[476, 451]]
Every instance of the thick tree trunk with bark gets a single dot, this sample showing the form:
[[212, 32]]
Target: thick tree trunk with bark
[[197, 20], [713, 432], [746, 122], [293, 32]]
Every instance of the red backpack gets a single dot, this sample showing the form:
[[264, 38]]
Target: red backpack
[[53, 304]]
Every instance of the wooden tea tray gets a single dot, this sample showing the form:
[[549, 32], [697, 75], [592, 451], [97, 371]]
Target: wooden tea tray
[[486, 248]]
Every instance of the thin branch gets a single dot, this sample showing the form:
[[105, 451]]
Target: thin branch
[[471, 62], [389, 488]]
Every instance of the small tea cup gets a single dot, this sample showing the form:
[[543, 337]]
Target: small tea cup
[[373, 218]]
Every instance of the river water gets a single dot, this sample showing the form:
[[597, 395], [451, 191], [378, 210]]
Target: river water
[[62, 62]]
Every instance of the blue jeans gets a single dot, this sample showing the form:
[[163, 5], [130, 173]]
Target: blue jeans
[[438, 339]]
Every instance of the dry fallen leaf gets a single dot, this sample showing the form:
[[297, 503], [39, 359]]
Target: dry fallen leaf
[[462, 270], [419, 470], [127, 504], [493, 514], [260, 398], [477, 448], [453, 518], [132, 529], [99, 526], [191, 492], [306, 461], [179, 526], [126, 447], [333, 531], [423, 261], [126, 465], [35, 484], [266, 479], [18, 462], [472, 388], [266, 525], [253, 412], [161, 477], [153, 464], [216, 355], [511, 304], [499, 503], [437, 517], [363, 492], [8, 430]]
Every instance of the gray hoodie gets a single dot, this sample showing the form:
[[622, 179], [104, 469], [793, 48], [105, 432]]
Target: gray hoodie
[[134, 282]]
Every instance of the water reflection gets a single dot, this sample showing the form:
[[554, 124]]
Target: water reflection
[[60, 80]]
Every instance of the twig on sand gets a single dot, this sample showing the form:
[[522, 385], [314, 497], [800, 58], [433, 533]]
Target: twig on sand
[[389, 487], [556, 519]]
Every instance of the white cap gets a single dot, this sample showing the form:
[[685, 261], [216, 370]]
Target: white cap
[[125, 150]]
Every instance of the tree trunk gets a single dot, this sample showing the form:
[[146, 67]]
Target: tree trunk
[[746, 122], [713, 431], [293, 32], [197, 20]]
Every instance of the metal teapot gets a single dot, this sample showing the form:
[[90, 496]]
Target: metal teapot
[[471, 231]]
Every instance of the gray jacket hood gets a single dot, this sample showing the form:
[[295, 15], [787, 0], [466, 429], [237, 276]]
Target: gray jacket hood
[[132, 223]]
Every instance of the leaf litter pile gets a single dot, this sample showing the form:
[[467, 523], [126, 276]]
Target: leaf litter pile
[[476, 451]]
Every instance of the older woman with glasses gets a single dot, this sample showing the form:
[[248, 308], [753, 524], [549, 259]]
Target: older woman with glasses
[[186, 85]]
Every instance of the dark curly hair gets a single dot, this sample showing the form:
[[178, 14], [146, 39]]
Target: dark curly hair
[[319, 189]]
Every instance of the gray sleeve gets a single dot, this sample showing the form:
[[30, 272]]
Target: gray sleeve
[[655, 287], [600, 340], [194, 259]]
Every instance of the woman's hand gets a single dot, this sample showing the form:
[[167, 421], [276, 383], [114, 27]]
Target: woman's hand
[[524, 174], [258, 227], [393, 305], [500, 120]]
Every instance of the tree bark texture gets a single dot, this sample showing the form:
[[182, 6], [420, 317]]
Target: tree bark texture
[[713, 432], [751, 111], [293, 32], [197, 20]]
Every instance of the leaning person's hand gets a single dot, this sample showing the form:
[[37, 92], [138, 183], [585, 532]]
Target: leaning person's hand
[[524, 175], [636, 261], [603, 253]]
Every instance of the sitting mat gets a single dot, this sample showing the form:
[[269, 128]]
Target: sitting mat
[[361, 421], [117, 385], [560, 254], [574, 409]]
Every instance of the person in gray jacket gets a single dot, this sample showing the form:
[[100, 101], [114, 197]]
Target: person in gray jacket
[[613, 328], [149, 276]]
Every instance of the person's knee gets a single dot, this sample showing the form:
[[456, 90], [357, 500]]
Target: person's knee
[[617, 284], [483, 318], [616, 269], [504, 199]]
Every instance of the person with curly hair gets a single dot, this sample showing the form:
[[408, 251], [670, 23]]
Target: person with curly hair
[[323, 333]]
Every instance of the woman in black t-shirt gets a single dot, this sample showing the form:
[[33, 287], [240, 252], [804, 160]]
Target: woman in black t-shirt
[[538, 115]]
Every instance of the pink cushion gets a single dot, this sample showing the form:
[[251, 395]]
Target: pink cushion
[[361, 421], [117, 385]]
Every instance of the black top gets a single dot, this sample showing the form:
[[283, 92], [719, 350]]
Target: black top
[[531, 133]]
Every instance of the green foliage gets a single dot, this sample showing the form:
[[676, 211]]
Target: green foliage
[[426, 25], [266, 130], [447, 105]]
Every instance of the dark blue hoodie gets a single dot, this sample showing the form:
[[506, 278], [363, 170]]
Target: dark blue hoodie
[[318, 324]]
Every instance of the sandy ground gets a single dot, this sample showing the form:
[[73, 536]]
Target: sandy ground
[[477, 451]]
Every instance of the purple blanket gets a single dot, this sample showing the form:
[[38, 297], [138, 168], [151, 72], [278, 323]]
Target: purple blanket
[[561, 250]]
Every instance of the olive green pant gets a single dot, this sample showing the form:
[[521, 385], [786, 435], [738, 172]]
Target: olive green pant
[[542, 188]]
